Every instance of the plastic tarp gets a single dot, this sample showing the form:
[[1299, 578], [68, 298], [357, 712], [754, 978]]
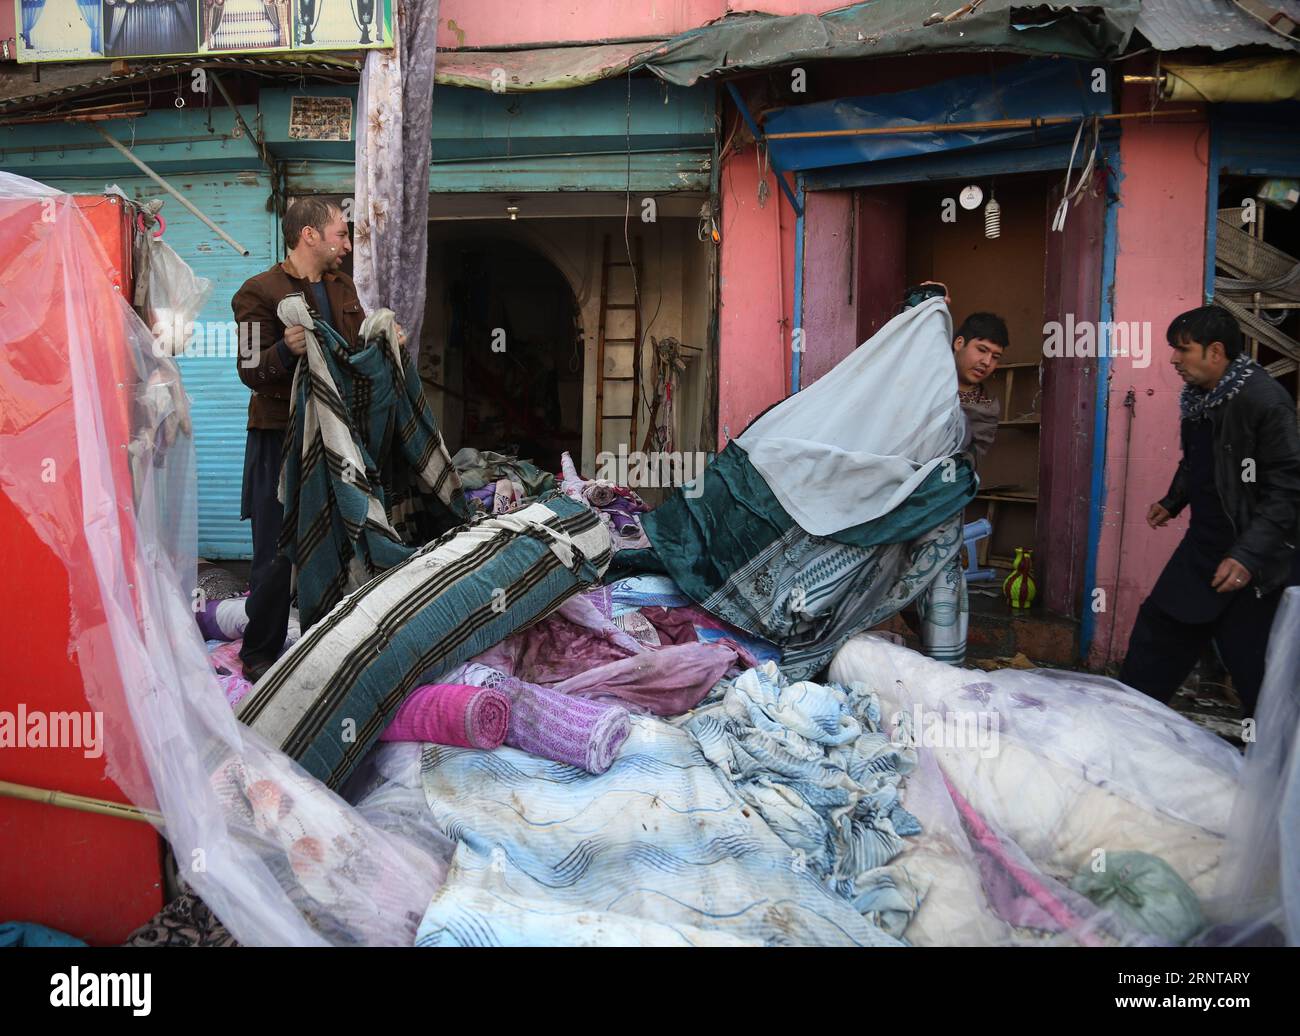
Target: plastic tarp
[[1095, 31], [1260, 878], [1036, 89], [542, 68], [85, 394], [1029, 780], [1248, 81]]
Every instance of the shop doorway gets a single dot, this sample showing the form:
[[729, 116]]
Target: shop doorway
[[532, 324], [1035, 479], [511, 370]]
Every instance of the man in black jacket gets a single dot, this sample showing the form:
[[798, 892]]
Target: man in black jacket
[[1240, 473]]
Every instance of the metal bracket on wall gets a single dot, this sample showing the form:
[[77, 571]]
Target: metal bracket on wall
[[256, 138], [761, 138]]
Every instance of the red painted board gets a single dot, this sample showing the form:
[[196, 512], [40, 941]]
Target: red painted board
[[92, 876]]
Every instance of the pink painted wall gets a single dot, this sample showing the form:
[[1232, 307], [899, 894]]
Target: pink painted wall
[[829, 312], [488, 23], [8, 28], [756, 297], [1159, 273]]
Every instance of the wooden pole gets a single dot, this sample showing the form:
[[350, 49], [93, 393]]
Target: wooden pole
[[971, 127], [84, 803]]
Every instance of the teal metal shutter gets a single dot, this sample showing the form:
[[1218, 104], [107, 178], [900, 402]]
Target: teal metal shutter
[[236, 202]]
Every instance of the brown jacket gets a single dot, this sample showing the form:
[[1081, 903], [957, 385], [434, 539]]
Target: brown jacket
[[271, 376]]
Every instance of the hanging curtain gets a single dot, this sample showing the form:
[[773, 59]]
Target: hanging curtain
[[92, 16], [31, 12], [394, 129], [150, 27], [273, 17], [188, 30], [215, 9], [116, 19]]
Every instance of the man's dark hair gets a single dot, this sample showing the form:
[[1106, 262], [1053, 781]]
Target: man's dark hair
[[306, 212], [1205, 325], [988, 326]]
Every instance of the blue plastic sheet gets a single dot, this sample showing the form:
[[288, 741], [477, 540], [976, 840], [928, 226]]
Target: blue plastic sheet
[[1036, 89]]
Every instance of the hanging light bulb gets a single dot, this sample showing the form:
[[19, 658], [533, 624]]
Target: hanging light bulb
[[992, 219]]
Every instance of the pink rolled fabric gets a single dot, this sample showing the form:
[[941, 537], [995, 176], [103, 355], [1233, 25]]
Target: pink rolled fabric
[[452, 714]]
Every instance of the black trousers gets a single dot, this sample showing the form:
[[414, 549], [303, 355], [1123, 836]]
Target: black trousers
[[1162, 650], [271, 578]]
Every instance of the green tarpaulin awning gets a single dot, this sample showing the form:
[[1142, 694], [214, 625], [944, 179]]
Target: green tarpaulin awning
[[888, 27], [747, 42]]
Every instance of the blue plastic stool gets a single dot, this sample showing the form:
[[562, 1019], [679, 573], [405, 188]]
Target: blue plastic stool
[[971, 534]]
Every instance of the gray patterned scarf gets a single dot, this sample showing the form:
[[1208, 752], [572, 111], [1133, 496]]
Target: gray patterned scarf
[[1196, 403]]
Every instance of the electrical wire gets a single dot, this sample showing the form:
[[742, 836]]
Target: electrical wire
[[1085, 175], [1130, 404], [638, 391], [645, 332], [1265, 22]]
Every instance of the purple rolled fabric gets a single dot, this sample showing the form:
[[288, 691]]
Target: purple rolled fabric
[[225, 619], [551, 724]]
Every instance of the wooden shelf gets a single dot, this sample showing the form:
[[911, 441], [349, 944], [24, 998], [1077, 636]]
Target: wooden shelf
[[1025, 421], [1015, 366], [1013, 498]]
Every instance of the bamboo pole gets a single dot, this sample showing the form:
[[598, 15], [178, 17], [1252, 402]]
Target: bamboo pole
[[971, 127], [84, 803], [103, 113]]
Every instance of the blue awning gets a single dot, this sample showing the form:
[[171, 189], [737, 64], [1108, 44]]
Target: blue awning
[[1039, 88]]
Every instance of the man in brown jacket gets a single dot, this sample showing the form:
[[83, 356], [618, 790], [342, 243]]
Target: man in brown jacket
[[316, 242]]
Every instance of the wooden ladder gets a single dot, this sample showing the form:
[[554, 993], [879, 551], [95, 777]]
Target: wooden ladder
[[602, 340]]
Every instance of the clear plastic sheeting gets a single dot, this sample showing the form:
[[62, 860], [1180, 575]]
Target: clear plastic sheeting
[[96, 451], [1028, 778], [1259, 882]]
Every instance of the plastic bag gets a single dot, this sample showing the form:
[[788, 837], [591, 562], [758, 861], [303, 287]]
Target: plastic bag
[[1145, 893], [169, 295]]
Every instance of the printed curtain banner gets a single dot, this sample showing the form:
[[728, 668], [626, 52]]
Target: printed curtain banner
[[83, 30]]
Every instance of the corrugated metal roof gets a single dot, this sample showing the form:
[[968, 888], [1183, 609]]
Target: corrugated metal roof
[[75, 79], [1217, 24], [546, 68]]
